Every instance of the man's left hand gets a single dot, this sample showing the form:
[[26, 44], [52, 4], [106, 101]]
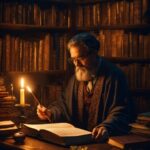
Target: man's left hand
[[100, 134]]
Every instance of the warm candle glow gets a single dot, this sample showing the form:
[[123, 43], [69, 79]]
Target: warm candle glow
[[22, 83], [35, 98], [28, 88], [22, 92]]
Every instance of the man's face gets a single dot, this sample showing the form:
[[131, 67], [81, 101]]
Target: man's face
[[83, 62]]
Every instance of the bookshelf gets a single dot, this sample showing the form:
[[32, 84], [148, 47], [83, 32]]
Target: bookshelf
[[33, 42], [123, 28], [34, 35]]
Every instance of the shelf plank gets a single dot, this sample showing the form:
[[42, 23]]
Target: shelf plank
[[83, 2], [8, 26], [66, 2], [128, 60], [140, 92], [51, 72], [41, 77], [26, 27], [132, 27]]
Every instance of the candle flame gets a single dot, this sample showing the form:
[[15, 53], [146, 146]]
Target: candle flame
[[29, 89], [22, 83]]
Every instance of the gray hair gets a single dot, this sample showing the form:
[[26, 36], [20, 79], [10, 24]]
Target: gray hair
[[84, 40]]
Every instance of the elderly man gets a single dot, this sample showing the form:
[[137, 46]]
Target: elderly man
[[96, 97]]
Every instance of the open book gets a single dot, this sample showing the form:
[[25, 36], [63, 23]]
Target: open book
[[60, 133]]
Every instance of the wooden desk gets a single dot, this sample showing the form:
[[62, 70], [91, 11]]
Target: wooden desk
[[34, 144]]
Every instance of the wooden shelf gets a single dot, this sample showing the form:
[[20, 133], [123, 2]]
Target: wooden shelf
[[143, 27], [43, 1], [128, 60], [83, 2], [25, 27], [140, 92], [39, 77], [51, 72]]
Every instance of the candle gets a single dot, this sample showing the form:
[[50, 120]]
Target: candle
[[22, 92]]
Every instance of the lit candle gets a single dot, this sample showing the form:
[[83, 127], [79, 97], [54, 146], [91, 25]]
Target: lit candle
[[22, 94]]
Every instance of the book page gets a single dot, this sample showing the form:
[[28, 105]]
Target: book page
[[60, 129], [68, 132], [49, 126]]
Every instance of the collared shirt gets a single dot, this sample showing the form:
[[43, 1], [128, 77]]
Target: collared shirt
[[91, 83]]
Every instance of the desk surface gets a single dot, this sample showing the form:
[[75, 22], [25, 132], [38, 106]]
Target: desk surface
[[34, 144]]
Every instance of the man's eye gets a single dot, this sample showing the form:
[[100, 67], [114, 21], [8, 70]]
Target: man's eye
[[81, 57]]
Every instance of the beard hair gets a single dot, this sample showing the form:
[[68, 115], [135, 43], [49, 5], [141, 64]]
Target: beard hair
[[83, 74]]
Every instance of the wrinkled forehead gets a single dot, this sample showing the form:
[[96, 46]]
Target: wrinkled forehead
[[76, 51]]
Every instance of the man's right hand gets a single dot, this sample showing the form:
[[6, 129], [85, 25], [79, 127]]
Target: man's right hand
[[41, 112]]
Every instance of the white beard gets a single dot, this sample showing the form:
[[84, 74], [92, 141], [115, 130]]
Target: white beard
[[83, 74]]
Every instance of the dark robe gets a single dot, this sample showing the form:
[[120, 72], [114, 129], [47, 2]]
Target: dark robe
[[111, 109]]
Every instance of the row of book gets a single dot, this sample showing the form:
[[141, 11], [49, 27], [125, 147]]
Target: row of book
[[32, 13], [141, 125], [140, 103], [48, 51], [7, 102], [119, 43], [112, 13], [137, 74], [19, 53], [120, 12], [50, 93]]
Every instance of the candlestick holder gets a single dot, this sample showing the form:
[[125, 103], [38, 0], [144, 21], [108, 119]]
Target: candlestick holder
[[22, 117]]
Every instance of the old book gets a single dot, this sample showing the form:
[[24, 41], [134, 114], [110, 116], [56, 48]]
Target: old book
[[137, 11], [2, 88], [145, 133], [7, 128], [139, 126], [125, 45], [8, 49], [4, 94], [126, 141], [59, 133], [6, 124], [126, 12], [145, 14], [46, 52], [131, 13], [105, 11], [8, 131], [144, 116], [113, 13]]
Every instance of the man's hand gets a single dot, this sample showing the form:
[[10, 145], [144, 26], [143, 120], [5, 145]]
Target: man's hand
[[100, 134], [41, 112]]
